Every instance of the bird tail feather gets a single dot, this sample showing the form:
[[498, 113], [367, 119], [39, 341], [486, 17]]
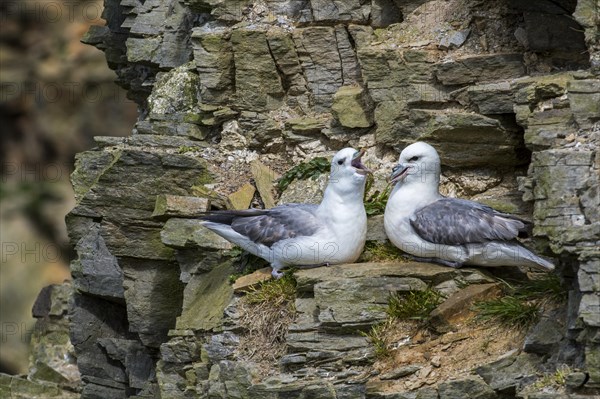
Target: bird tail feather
[[227, 217], [544, 263]]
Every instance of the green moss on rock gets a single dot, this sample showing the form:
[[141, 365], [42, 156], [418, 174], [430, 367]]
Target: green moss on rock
[[212, 289], [350, 107]]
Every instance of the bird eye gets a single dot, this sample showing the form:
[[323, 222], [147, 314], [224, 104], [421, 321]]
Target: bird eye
[[341, 161], [415, 158]]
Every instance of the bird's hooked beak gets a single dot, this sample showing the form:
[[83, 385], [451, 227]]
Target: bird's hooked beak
[[399, 172], [358, 165]]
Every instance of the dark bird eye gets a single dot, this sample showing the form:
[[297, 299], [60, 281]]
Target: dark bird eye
[[341, 161], [415, 158]]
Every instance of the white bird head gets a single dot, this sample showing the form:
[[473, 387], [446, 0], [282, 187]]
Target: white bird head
[[347, 170], [419, 163]]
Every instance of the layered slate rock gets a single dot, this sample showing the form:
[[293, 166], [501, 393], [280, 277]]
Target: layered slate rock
[[127, 280], [221, 84], [335, 305]]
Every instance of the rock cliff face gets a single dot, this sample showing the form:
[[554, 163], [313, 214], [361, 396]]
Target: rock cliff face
[[507, 91]]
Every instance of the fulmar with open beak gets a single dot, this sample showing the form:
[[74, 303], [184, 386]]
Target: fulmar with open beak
[[332, 232]]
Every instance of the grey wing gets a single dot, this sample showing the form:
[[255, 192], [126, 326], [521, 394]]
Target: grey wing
[[454, 221], [279, 223]]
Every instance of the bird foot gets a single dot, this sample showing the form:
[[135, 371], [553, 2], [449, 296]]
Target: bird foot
[[444, 262], [276, 274]]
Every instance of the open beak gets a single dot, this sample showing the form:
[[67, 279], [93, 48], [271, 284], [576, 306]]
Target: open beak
[[358, 165], [398, 173]]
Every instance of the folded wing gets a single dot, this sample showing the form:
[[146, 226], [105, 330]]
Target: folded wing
[[268, 226], [454, 221]]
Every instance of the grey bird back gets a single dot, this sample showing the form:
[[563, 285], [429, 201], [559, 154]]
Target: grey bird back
[[268, 226], [454, 221]]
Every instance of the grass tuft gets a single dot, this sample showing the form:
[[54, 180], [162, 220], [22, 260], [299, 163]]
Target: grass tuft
[[379, 337], [381, 252], [410, 306], [546, 287], [555, 380], [413, 305], [509, 310], [274, 292], [265, 315], [521, 306]]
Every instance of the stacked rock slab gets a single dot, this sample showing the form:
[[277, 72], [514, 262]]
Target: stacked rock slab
[[128, 287], [154, 315], [53, 371]]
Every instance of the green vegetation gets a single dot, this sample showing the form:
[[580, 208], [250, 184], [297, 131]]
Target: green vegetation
[[556, 380], [521, 304], [379, 337], [519, 307], [547, 287], [305, 170], [376, 201], [407, 306], [381, 252], [508, 310], [274, 292], [265, 315], [413, 305], [186, 148]]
